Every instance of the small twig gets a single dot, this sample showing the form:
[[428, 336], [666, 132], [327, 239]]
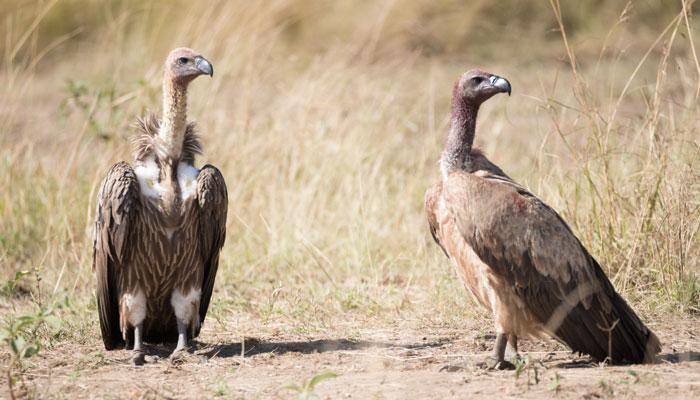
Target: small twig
[[686, 6], [9, 383], [609, 331]]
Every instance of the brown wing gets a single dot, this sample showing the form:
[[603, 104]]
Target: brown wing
[[213, 204], [432, 197], [117, 205], [526, 242]]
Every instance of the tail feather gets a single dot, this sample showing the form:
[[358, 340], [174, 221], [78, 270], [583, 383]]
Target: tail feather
[[618, 335]]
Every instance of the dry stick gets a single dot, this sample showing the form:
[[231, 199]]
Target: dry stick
[[9, 383], [34, 25], [622, 18], [557, 14], [636, 70], [590, 112], [310, 246], [687, 6], [609, 332], [51, 46], [652, 123]]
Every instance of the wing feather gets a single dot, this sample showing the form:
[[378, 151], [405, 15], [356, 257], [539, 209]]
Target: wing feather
[[117, 204], [432, 196], [213, 204], [529, 245]]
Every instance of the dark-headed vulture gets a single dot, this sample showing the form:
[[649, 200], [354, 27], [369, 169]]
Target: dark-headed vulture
[[159, 226], [517, 256]]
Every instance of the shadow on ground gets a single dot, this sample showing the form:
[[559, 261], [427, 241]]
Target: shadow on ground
[[254, 346], [671, 358], [675, 358]]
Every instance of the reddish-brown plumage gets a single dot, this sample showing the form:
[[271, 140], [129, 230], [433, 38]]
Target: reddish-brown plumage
[[517, 256]]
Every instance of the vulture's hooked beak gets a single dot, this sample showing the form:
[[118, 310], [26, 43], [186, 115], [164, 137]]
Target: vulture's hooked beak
[[204, 66], [501, 84]]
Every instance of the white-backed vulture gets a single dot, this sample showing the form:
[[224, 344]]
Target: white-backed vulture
[[160, 226], [517, 256]]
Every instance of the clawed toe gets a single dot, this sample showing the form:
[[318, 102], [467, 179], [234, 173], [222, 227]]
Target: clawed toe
[[177, 354], [505, 365], [139, 358], [492, 363]]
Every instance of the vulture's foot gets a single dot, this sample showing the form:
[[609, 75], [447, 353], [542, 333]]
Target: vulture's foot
[[138, 358], [178, 355], [492, 363], [453, 367], [181, 347]]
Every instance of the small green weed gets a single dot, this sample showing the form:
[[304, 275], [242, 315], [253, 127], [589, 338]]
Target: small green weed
[[305, 391]]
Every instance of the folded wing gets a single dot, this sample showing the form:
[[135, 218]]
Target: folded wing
[[117, 206], [212, 198], [528, 244]]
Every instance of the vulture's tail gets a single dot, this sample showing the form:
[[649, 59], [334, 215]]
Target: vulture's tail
[[614, 333]]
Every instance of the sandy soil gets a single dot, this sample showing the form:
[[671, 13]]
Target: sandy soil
[[379, 364]]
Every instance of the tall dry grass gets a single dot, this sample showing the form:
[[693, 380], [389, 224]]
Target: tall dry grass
[[327, 120]]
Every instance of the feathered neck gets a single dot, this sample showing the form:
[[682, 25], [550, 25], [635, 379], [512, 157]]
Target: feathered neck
[[174, 121], [146, 142], [460, 138]]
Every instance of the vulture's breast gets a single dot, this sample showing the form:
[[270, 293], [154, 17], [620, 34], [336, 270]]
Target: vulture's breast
[[490, 290], [155, 185]]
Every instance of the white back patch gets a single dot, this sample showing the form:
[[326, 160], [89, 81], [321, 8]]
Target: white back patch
[[187, 180]]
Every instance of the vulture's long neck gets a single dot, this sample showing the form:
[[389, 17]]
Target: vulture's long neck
[[461, 136], [174, 122]]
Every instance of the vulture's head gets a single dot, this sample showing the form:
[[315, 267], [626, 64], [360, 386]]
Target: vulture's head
[[183, 65], [477, 86]]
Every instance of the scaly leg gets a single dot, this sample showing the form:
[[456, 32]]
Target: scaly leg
[[139, 356], [497, 360], [186, 306], [129, 340], [512, 347], [181, 338]]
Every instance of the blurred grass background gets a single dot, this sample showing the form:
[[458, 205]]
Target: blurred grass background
[[327, 119]]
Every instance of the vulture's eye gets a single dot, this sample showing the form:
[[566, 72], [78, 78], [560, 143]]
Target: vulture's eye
[[477, 80], [182, 60]]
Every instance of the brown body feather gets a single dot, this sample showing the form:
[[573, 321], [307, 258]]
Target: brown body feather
[[522, 262], [156, 245]]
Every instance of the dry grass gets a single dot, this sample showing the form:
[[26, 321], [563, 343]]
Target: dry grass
[[327, 120]]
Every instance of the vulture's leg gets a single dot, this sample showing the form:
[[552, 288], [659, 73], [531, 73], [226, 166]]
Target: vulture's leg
[[186, 306], [139, 356], [129, 342], [512, 347], [497, 360], [181, 337]]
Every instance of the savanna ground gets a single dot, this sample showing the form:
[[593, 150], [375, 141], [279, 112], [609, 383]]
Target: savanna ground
[[327, 120]]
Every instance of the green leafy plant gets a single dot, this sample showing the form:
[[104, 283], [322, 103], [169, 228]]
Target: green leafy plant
[[22, 336], [221, 388], [526, 365], [555, 385], [305, 391], [12, 285]]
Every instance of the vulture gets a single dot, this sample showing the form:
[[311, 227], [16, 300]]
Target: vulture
[[159, 226], [517, 256]]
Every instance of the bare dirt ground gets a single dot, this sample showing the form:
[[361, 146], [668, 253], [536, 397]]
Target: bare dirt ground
[[391, 363]]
